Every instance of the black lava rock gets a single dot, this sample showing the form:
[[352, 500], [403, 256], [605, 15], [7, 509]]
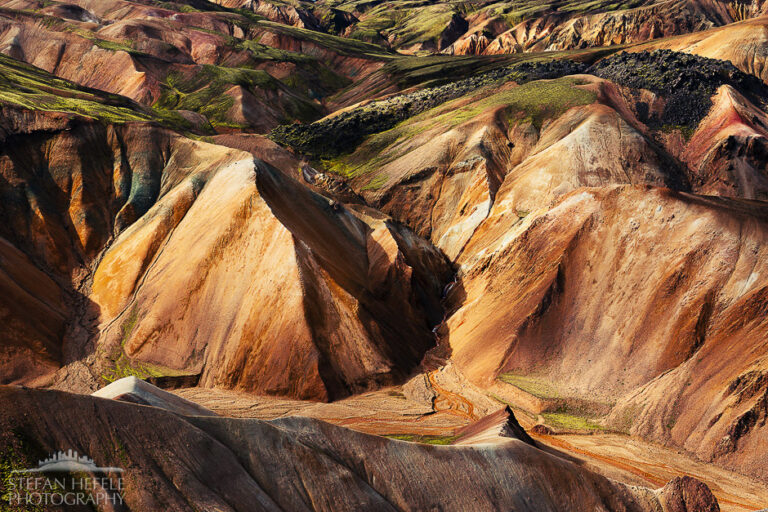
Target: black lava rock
[[686, 81]]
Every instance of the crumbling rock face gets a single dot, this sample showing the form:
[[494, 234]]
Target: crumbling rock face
[[728, 153], [220, 64], [341, 133], [68, 185], [686, 494]]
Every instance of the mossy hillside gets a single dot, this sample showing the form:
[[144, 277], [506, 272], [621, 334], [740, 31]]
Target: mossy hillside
[[406, 23], [104, 44], [45, 20], [517, 11], [28, 87], [423, 439], [311, 77], [204, 92], [409, 22], [310, 80], [262, 52], [295, 98], [177, 6], [340, 45], [340, 134], [434, 70], [531, 102]]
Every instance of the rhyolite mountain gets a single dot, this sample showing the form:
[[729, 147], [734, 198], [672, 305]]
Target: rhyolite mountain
[[442, 208]]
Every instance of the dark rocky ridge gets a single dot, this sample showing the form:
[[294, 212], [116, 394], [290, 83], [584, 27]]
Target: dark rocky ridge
[[686, 81]]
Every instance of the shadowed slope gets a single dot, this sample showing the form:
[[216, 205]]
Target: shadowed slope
[[285, 291], [295, 463]]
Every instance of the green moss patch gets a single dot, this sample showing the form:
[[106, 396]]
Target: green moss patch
[[204, 92], [340, 45], [569, 421], [26, 86], [535, 386], [423, 439]]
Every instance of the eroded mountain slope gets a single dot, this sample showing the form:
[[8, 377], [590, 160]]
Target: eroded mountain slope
[[511, 27], [233, 70], [604, 289], [305, 464], [601, 318], [338, 299], [439, 171]]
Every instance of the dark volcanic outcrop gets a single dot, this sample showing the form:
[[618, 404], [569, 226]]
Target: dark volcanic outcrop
[[687, 82]]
